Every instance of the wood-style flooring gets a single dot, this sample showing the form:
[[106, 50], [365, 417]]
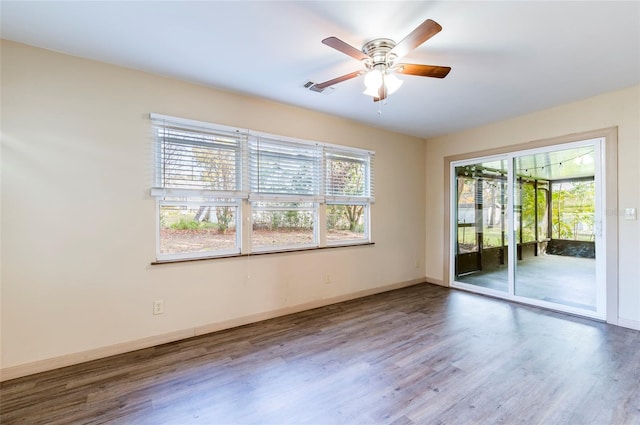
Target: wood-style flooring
[[418, 355]]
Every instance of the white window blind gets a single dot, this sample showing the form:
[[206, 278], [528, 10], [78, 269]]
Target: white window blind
[[223, 191], [198, 161], [348, 176], [281, 169]]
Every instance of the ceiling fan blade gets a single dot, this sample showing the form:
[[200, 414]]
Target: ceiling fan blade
[[423, 70], [338, 80], [422, 33], [345, 48]]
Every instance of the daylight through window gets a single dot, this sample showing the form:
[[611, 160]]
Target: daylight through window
[[215, 184]]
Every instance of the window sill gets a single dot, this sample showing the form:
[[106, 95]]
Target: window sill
[[255, 254]]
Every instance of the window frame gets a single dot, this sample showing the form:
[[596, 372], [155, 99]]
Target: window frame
[[246, 197]]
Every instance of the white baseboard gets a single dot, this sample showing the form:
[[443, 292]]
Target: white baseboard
[[44, 365], [301, 307], [18, 371], [628, 323], [436, 282]]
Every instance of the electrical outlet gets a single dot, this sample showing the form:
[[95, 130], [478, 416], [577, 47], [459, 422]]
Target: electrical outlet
[[417, 264], [158, 307], [328, 278]]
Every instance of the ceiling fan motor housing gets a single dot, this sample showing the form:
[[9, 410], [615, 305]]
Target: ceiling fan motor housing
[[378, 50]]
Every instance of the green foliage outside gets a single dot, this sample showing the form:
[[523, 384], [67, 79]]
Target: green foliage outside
[[572, 206], [219, 172], [279, 220], [573, 210], [191, 224], [527, 213], [343, 217], [346, 178], [177, 219]]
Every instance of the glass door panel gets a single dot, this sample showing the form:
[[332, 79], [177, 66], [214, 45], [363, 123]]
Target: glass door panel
[[481, 254], [554, 220]]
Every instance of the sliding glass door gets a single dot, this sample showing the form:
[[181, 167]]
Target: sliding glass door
[[526, 226], [482, 240]]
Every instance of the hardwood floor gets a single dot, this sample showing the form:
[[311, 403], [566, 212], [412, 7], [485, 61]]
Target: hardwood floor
[[418, 355]]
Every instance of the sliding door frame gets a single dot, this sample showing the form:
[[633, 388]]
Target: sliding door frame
[[609, 193]]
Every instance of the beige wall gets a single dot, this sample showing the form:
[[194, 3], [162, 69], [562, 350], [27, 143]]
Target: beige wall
[[78, 225], [619, 109]]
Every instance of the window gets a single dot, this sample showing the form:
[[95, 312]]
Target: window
[[209, 176], [285, 192], [188, 226], [199, 190], [283, 225], [348, 191]]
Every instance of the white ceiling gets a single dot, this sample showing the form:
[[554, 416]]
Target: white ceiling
[[508, 58]]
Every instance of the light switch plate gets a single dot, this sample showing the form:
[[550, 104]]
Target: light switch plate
[[630, 213]]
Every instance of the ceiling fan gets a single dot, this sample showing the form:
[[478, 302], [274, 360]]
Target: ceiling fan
[[379, 57]]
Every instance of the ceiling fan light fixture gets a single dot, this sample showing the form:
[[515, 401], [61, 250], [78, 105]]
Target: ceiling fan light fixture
[[376, 79], [373, 80], [370, 91], [392, 83]]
